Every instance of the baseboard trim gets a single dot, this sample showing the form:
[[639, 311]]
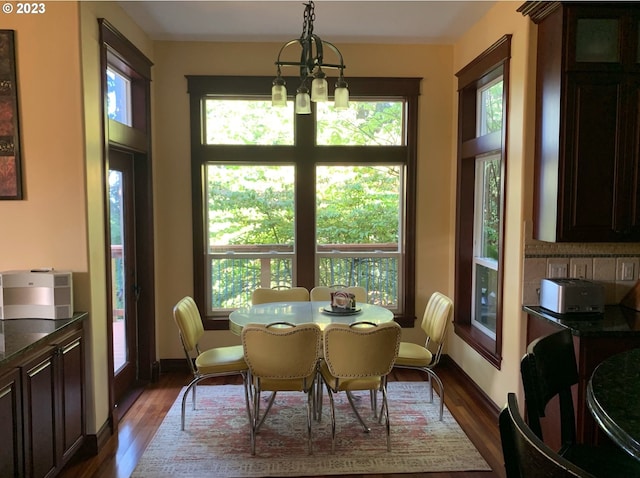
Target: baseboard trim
[[470, 385]]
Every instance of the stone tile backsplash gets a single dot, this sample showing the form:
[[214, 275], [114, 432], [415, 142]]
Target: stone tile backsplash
[[616, 266]]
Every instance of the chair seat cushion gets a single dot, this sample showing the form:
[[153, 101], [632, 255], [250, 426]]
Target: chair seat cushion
[[347, 384], [413, 355], [284, 384], [221, 360]]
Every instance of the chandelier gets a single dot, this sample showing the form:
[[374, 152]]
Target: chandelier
[[311, 64]]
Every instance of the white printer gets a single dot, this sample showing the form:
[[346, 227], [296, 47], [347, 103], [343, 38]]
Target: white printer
[[36, 294]]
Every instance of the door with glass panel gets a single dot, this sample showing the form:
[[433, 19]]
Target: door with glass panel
[[123, 272]]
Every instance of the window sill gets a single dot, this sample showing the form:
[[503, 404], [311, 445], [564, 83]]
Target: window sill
[[479, 342]]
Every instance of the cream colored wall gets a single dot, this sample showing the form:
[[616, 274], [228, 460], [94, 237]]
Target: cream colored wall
[[47, 228], [172, 158], [503, 19]]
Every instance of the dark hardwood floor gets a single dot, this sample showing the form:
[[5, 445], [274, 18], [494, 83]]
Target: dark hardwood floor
[[119, 456]]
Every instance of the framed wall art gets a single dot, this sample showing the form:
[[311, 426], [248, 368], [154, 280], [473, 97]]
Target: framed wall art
[[10, 164]]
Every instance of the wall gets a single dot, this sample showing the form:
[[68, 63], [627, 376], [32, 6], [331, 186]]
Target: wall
[[59, 222], [47, 228], [173, 183], [503, 19]]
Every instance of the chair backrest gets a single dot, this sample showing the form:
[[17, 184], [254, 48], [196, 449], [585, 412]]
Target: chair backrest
[[525, 455], [323, 293], [549, 369], [282, 351], [361, 349], [187, 317], [294, 294], [436, 319]]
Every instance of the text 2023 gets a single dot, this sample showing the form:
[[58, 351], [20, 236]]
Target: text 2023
[[31, 8]]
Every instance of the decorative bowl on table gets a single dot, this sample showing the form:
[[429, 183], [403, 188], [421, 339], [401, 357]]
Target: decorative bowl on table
[[343, 302]]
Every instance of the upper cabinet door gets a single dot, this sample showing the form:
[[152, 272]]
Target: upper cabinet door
[[602, 38], [588, 122]]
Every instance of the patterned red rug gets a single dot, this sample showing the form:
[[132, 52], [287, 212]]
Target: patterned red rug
[[216, 439]]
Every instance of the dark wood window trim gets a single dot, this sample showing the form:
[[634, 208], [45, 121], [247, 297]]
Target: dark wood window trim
[[360, 88], [490, 64], [118, 52]]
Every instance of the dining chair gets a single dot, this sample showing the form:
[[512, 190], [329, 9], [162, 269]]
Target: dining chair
[[435, 323], [281, 357], [359, 356], [549, 370], [263, 295], [525, 454], [323, 293], [213, 362]]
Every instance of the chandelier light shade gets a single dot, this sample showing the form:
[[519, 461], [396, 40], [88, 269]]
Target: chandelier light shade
[[311, 64]]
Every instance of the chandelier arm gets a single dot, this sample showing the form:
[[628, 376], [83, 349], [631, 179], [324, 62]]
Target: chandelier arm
[[306, 63], [317, 60], [337, 52], [288, 44]]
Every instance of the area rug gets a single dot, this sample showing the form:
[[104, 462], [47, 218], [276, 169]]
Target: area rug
[[216, 438]]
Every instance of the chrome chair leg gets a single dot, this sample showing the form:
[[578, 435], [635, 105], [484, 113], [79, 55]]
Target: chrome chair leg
[[272, 399], [191, 385], [385, 407], [365, 428], [333, 420], [433, 376], [310, 400], [318, 398]]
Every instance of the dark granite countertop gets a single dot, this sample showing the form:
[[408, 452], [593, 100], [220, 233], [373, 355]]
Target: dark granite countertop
[[612, 397], [18, 336], [615, 321]]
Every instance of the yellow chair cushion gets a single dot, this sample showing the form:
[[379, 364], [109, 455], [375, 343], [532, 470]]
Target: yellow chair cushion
[[221, 360], [284, 384], [348, 384], [413, 355]]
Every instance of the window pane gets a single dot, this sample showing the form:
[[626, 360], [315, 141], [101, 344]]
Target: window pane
[[247, 122], [250, 230], [486, 242], [118, 97], [358, 215], [365, 123], [487, 206], [490, 107], [486, 294]]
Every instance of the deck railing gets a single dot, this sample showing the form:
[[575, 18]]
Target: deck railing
[[237, 271]]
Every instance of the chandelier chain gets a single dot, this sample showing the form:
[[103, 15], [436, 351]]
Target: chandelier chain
[[308, 19]]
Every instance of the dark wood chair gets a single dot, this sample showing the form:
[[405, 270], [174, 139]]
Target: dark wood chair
[[549, 369], [525, 455]]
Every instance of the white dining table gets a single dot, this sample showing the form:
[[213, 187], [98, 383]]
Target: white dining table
[[303, 313]]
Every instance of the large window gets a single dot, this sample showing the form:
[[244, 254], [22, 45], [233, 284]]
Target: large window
[[482, 120], [282, 200]]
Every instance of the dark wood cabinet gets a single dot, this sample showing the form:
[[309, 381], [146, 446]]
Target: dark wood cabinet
[[11, 451], [587, 122], [53, 394], [42, 396]]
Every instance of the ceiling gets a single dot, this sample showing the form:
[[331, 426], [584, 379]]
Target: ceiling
[[377, 21]]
